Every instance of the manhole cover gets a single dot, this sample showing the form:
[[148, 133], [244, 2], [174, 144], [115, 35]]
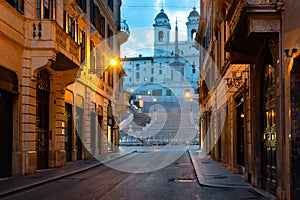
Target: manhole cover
[[184, 180], [181, 163]]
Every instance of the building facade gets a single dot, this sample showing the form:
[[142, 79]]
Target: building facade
[[50, 113], [251, 126], [174, 64]]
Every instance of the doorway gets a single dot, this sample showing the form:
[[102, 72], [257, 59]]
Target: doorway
[[240, 129], [269, 134], [68, 131], [78, 141], [42, 118], [6, 133]]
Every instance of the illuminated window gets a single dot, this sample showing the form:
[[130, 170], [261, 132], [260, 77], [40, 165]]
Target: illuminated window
[[45, 9]]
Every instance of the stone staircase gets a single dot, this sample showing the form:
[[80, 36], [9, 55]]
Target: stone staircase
[[171, 123]]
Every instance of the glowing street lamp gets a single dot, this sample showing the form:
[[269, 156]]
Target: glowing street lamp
[[187, 94], [154, 100], [113, 62]]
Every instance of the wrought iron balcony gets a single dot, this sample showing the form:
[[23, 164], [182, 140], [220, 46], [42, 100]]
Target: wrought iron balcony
[[48, 35], [124, 32]]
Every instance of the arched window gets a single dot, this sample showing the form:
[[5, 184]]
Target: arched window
[[193, 34], [160, 36]]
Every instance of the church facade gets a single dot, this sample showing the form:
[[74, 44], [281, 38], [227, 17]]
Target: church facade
[[173, 68]]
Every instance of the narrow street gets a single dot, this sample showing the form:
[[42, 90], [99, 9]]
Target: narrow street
[[176, 181]]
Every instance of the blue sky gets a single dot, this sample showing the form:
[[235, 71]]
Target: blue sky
[[139, 15]]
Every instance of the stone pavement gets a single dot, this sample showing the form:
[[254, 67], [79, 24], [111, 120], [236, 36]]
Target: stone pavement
[[213, 174], [11, 185], [209, 173]]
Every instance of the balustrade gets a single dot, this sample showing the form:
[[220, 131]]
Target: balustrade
[[49, 35]]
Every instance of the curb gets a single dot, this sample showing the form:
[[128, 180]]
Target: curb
[[21, 188], [201, 179]]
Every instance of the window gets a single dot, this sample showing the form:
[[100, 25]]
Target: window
[[110, 78], [137, 66], [160, 36], [160, 71], [17, 4], [169, 92], [97, 19], [82, 4], [145, 69], [48, 8], [92, 58], [110, 33], [152, 70], [83, 41], [157, 92], [71, 27], [102, 26], [137, 75], [193, 34], [193, 68], [151, 79], [111, 5]]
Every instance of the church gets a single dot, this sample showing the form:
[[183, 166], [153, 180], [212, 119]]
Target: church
[[173, 70]]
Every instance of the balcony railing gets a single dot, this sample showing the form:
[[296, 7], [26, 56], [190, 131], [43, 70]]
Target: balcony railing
[[124, 32], [124, 27], [236, 9], [47, 34]]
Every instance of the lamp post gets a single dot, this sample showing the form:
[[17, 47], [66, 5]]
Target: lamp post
[[154, 100]]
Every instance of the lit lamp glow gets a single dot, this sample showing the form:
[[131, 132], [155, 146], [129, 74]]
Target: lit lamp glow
[[187, 94], [113, 62]]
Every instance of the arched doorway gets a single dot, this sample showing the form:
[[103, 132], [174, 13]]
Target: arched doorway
[[42, 118]]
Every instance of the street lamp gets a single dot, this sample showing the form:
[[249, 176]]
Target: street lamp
[[154, 100], [187, 94], [113, 62]]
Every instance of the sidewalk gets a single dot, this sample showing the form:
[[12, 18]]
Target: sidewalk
[[213, 174], [13, 184]]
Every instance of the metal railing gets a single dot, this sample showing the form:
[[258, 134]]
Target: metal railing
[[124, 27]]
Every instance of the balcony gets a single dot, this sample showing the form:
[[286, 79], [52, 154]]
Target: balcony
[[239, 7], [246, 18], [48, 35], [124, 32]]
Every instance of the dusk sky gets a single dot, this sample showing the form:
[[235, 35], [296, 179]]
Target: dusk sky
[[139, 15]]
